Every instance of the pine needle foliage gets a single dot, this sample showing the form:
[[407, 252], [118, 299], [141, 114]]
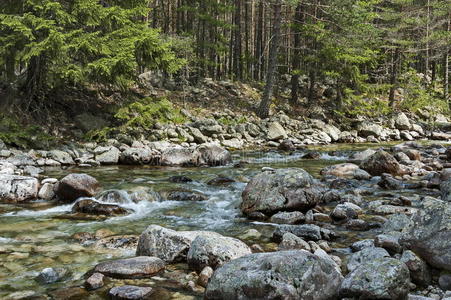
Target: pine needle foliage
[[48, 44]]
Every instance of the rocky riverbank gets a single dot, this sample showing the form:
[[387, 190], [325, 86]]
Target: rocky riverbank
[[202, 140]]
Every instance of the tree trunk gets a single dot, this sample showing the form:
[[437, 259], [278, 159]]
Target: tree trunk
[[259, 43], [393, 78], [263, 110], [237, 64], [446, 68], [296, 61], [446, 77]]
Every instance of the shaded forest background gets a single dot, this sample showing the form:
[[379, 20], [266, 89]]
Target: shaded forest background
[[369, 56]]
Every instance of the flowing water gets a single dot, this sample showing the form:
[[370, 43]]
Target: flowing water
[[38, 235]]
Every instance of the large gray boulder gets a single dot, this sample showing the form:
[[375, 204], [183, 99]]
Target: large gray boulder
[[279, 275], [402, 122], [276, 132], [281, 190], [74, 186], [213, 155], [139, 156], [180, 157], [107, 155], [168, 244], [445, 189], [381, 278], [214, 251], [365, 255], [429, 233], [16, 189], [346, 170], [381, 162], [60, 156], [367, 129], [135, 267]]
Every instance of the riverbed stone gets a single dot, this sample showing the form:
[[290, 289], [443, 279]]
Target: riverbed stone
[[16, 189], [402, 122], [7, 168], [198, 135], [357, 225], [114, 196], [276, 132], [130, 292], [124, 242], [381, 162], [51, 275], [93, 207], [281, 190], [381, 278], [362, 155], [269, 276], [445, 189], [419, 271], [139, 156], [167, 244], [182, 195], [429, 234], [388, 242], [346, 211], [294, 217], [362, 244], [107, 155], [214, 251], [308, 232], [95, 281], [293, 242], [62, 157], [396, 222], [220, 181], [346, 170], [444, 281], [75, 185], [365, 255], [213, 155], [135, 267], [205, 276], [179, 157], [47, 191], [370, 129]]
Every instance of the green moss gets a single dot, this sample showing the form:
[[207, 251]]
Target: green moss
[[232, 121], [140, 115], [13, 133], [149, 111], [99, 135]]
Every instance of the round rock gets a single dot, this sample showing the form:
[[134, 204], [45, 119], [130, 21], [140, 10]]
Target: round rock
[[278, 275], [135, 267]]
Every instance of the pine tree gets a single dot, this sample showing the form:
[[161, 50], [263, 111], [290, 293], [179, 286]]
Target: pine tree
[[50, 45]]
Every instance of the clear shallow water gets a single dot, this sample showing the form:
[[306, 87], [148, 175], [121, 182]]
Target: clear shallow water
[[35, 236]]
